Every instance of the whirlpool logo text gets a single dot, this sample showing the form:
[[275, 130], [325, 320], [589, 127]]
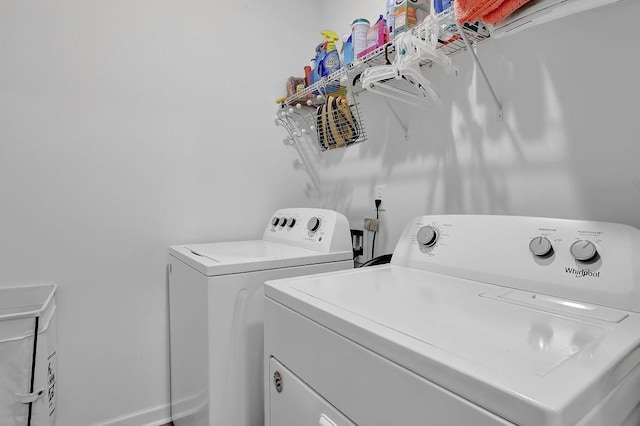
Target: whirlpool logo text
[[580, 273]]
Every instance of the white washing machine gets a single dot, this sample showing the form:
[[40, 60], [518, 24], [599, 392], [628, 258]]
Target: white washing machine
[[216, 302], [478, 320]]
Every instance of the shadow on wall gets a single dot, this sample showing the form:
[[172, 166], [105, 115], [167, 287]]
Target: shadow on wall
[[564, 149], [572, 114], [444, 156], [598, 95], [308, 158]]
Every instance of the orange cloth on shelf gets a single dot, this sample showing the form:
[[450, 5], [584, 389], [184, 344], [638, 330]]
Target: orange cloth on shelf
[[505, 9], [489, 11], [473, 10]]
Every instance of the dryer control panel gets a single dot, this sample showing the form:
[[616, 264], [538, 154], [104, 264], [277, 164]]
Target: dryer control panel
[[316, 229], [595, 262]]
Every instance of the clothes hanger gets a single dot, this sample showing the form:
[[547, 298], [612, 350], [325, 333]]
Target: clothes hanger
[[420, 99], [411, 51], [418, 50], [406, 66]]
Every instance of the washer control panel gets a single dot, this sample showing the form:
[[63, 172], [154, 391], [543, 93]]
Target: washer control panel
[[317, 229], [595, 262]]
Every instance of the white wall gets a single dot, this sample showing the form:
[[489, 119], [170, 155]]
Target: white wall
[[567, 147], [126, 126]]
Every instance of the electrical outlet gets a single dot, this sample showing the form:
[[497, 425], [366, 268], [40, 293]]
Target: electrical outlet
[[380, 192]]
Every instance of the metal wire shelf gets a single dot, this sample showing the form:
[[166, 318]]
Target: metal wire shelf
[[450, 42], [309, 112]]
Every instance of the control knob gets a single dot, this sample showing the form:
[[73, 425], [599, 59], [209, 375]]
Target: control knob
[[427, 236], [283, 221], [313, 224], [583, 250], [274, 221], [540, 246], [292, 222]]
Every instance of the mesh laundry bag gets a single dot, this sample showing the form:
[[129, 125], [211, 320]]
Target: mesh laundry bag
[[27, 399]]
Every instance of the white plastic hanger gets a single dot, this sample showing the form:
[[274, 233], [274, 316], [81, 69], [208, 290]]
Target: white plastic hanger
[[411, 52], [406, 67], [379, 80], [417, 50]]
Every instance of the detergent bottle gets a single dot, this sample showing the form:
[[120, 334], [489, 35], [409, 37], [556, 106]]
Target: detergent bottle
[[317, 63], [331, 59], [347, 49]]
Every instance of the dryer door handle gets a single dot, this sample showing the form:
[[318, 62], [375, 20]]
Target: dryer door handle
[[325, 421]]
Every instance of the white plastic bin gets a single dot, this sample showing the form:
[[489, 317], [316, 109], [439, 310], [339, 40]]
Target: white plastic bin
[[27, 364]]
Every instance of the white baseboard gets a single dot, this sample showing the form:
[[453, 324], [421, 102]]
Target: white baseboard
[[154, 416]]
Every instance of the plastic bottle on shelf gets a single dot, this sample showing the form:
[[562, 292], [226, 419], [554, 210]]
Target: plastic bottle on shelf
[[442, 5], [359, 29], [331, 60], [317, 70], [347, 49], [312, 76], [389, 17], [307, 75]]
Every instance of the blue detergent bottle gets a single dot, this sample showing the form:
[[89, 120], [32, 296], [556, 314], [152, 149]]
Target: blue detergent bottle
[[317, 71], [347, 48], [331, 60]]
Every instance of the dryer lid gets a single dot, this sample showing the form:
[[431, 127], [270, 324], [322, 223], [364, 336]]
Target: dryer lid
[[511, 356]]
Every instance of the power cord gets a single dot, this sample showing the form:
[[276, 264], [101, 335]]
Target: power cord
[[373, 243]]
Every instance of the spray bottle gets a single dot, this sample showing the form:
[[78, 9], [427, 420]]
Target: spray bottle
[[331, 60]]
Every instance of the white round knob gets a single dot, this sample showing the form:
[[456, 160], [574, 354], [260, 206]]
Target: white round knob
[[313, 224], [292, 222], [283, 221], [427, 236], [583, 250], [540, 246], [275, 221]]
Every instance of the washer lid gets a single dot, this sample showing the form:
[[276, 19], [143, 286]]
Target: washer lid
[[246, 256], [528, 362]]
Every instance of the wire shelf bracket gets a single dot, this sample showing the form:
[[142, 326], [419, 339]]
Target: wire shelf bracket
[[481, 68]]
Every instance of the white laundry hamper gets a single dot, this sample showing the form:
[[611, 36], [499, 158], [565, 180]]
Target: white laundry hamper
[[28, 358]]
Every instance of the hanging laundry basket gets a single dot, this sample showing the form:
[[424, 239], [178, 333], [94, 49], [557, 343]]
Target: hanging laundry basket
[[28, 356]]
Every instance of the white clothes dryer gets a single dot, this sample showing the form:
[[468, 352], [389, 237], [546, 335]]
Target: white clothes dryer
[[216, 311], [477, 320]]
